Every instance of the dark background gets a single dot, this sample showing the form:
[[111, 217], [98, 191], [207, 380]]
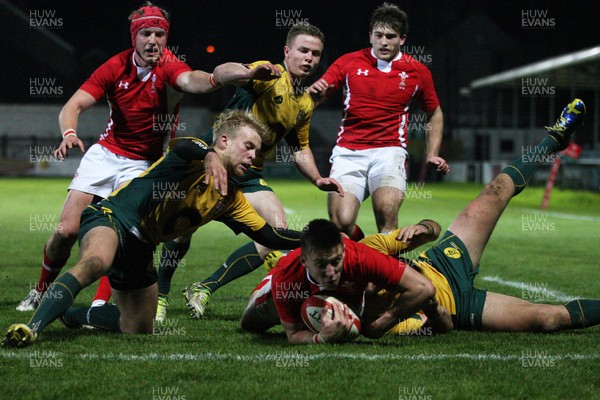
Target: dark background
[[464, 39]]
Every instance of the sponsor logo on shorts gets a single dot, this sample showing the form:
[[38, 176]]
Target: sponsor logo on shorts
[[263, 182], [452, 252]]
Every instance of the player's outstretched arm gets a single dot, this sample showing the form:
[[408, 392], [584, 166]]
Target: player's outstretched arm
[[424, 231], [197, 82], [404, 239], [68, 119], [305, 162], [239, 74], [319, 91], [273, 238]]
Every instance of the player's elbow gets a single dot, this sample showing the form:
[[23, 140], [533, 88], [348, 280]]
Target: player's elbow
[[425, 291]]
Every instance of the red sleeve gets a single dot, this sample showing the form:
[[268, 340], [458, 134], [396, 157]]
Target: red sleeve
[[173, 68], [335, 73], [383, 270], [426, 96], [288, 289], [101, 80]]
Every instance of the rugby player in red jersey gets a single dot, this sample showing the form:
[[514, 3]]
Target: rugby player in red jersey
[[143, 86], [380, 84]]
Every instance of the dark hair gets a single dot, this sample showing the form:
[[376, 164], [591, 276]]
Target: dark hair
[[389, 15], [320, 236], [302, 28], [139, 11]]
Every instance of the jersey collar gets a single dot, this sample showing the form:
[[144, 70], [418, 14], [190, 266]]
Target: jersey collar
[[143, 73], [312, 281], [385, 66]]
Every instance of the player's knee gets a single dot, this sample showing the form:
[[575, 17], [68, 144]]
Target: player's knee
[[550, 319], [66, 233], [345, 225], [496, 189], [135, 327], [90, 268]]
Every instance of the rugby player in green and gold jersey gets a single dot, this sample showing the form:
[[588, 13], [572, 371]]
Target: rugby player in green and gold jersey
[[282, 104], [452, 264], [118, 235]]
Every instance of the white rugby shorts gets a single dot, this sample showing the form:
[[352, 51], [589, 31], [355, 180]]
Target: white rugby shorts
[[361, 172], [101, 171]]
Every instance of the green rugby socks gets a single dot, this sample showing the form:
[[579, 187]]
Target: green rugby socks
[[239, 263], [584, 313], [170, 258], [105, 317], [58, 298], [522, 169]]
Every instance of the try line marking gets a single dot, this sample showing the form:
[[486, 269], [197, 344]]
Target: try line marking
[[270, 357], [535, 291], [572, 217]]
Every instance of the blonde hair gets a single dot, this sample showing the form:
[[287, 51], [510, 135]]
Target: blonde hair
[[230, 121]]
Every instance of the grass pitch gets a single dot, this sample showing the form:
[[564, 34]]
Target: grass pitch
[[547, 256]]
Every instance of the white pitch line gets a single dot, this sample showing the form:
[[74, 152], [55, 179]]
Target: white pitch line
[[573, 217], [538, 293], [288, 210], [296, 355]]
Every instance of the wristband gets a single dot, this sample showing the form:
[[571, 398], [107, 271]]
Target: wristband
[[69, 132], [213, 81], [318, 339]]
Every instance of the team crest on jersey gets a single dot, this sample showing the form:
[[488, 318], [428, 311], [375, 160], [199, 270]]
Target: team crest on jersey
[[153, 88], [452, 252], [403, 75]]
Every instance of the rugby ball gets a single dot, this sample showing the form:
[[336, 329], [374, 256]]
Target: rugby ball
[[311, 314]]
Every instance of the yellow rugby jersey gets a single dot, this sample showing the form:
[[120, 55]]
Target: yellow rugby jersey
[[170, 199], [387, 244], [285, 109]]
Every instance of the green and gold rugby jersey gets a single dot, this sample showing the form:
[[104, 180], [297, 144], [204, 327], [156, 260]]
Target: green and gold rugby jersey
[[170, 199], [277, 103], [386, 243]]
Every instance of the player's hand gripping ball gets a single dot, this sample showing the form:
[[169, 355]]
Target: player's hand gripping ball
[[311, 314]]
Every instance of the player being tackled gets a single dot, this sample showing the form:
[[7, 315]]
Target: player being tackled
[[456, 256]]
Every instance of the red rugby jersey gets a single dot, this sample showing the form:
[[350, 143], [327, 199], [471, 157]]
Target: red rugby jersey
[[142, 111], [291, 285], [377, 96]]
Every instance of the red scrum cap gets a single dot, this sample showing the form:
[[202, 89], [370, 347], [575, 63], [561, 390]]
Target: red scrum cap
[[147, 17]]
